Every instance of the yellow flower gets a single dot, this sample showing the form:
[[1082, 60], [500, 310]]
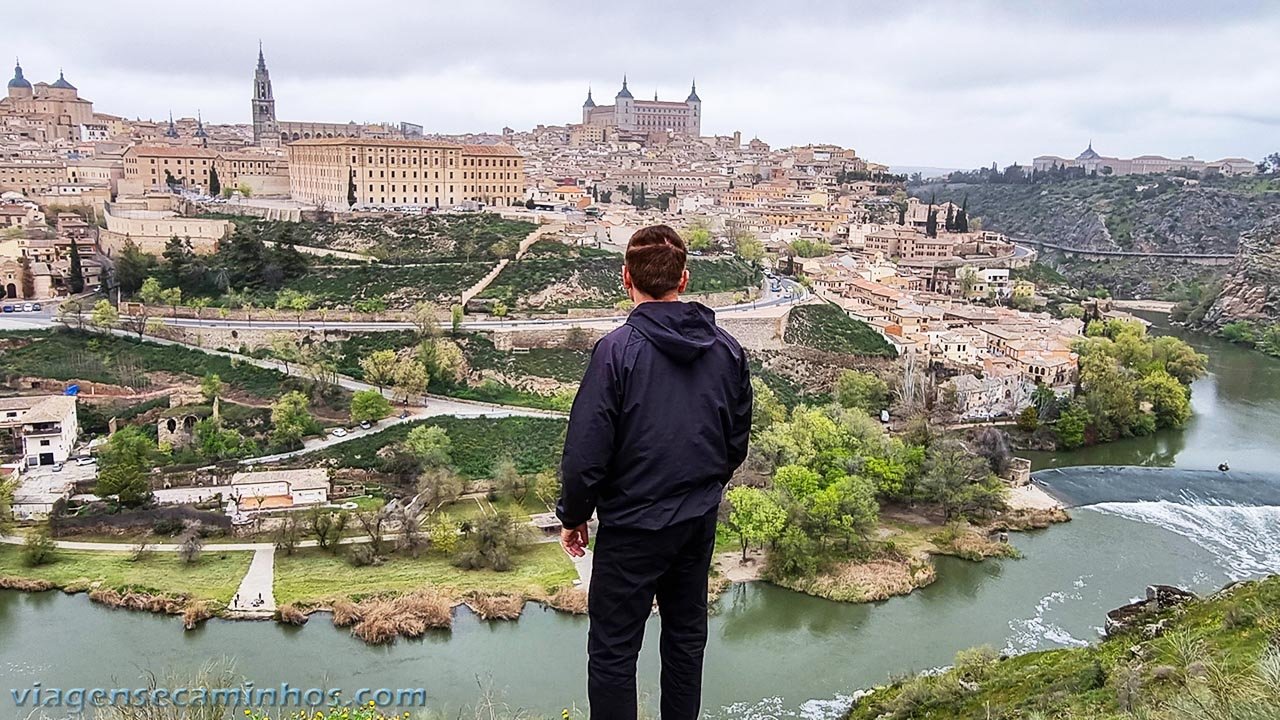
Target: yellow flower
[[246, 712]]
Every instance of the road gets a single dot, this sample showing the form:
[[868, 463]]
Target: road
[[792, 293]]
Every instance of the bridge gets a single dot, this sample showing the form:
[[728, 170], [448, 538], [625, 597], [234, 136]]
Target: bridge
[[1195, 258]]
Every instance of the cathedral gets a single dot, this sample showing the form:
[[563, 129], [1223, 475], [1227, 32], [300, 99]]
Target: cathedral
[[56, 107], [627, 113]]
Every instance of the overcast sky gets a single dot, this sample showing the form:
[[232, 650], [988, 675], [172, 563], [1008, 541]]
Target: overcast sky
[[952, 84]]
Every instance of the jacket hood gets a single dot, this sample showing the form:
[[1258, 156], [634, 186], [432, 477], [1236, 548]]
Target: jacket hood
[[681, 331]]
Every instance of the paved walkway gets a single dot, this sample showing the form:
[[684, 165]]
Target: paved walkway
[[257, 583]]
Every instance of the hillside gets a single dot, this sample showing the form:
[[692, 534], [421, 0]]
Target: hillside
[[1218, 657], [1251, 290], [1140, 213]]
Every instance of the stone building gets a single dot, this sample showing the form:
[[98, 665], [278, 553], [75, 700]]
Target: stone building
[[1091, 162], [56, 108], [330, 171], [630, 114], [153, 167], [265, 131]]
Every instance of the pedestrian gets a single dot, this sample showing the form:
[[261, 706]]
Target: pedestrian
[[660, 423], [235, 601]]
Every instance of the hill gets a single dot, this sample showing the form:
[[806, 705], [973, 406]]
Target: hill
[[1131, 212], [1218, 657]]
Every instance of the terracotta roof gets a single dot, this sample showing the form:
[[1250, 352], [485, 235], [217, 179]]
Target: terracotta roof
[[375, 142], [178, 151], [504, 150]]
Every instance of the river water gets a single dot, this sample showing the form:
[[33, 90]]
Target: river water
[[773, 653]]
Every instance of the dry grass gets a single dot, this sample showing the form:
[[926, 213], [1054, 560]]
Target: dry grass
[[291, 614], [1029, 518], [25, 584], [568, 599], [870, 581], [196, 613], [130, 600], [495, 606], [345, 613], [381, 620], [972, 544]]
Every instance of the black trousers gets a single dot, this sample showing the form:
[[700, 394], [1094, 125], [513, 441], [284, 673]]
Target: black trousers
[[629, 569]]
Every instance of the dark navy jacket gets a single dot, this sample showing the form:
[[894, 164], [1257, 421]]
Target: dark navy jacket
[[660, 423]]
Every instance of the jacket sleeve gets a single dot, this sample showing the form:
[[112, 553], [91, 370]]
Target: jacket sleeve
[[740, 436], [589, 443]]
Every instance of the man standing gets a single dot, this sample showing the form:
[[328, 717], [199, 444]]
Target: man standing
[[660, 423]]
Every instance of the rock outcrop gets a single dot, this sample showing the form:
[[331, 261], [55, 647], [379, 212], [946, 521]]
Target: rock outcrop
[[1251, 290]]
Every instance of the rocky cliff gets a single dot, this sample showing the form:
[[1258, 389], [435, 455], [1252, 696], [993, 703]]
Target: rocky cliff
[[1251, 289], [1131, 212]]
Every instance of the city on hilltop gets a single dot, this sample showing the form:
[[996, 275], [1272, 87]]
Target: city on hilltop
[[310, 370]]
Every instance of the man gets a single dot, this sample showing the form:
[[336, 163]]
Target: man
[[660, 423]]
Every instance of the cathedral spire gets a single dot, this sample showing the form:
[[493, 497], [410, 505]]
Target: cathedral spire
[[262, 61], [693, 93]]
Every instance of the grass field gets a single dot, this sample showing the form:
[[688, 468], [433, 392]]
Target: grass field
[[215, 577], [73, 355], [311, 575], [534, 444], [399, 286], [827, 327]]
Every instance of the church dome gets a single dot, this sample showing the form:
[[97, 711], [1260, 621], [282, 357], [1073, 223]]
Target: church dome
[[1088, 154], [61, 83], [18, 81]]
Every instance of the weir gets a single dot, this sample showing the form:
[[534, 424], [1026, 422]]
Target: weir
[[1094, 484]]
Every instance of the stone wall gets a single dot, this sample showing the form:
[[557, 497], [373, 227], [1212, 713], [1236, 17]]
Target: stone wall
[[755, 333]]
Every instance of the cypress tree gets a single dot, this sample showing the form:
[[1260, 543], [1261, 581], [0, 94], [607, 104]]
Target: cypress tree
[[215, 186], [962, 217], [75, 274]]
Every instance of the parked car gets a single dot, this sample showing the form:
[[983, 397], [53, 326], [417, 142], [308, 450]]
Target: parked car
[[339, 432], [57, 467], [8, 308], [27, 307], [37, 307], [86, 460], [365, 424]]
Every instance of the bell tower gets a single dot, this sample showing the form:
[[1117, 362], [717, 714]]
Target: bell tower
[[265, 130]]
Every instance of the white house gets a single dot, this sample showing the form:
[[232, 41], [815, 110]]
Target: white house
[[42, 428], [276, 489]]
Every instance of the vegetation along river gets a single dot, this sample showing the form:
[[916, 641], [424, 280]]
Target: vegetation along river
[[1171, 517]]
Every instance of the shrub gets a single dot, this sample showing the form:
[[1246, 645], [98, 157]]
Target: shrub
[[39, 548]]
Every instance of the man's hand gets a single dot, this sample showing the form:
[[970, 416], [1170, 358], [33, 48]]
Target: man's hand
[[574, 540]]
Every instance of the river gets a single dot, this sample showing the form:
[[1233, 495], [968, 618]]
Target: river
[[773, 653]]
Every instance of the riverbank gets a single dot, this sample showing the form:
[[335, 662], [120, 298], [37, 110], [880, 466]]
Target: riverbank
[[1208, 658], [906, 542]]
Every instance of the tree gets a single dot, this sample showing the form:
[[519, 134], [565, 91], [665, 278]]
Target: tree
[[508, 481], [698, 238], [215, 186], [211, 387], [288, 533], [429, 444], [499, 309], [992, 444], [490, 543], [379, 367], [151, 292], [75, 272], [1028, 419], [374, 523], [756, 516], [291, 419], [351, 189], [862, 390], [749, 248], [959, 481], [132, 266], [290, 299], [410, 378], [38, 548], [424, 317], [1170, 400], [455, 318], [962, 217], [369, 405], [1071, 426], [326, 527], [123, 465], [190, 543], [71, 313], [443, 535], [284, 347], [104, 316], [766, 408], [439, 485], [6, 506]]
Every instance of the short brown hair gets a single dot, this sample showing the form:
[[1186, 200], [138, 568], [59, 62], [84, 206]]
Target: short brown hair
[[655, 260]]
